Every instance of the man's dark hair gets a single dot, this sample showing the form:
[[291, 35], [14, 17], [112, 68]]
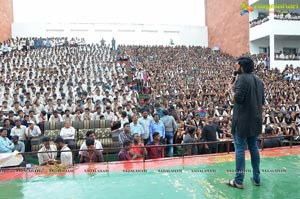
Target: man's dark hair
[[88, 133], [191, 129], [59, 139], [135, 134], [43, 113], [145, 110], [246, 63], [165, 112], [268, 130], [155, 114], [126, 123], [89, 142], [126, 143], [155, 134], [156, 105], [46, 139], [124, 113]]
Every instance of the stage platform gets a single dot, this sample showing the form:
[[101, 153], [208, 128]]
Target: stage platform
[[194, 177]]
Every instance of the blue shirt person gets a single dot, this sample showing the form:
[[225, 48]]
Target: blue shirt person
[[135, 127], [157, 126], [6, 146]]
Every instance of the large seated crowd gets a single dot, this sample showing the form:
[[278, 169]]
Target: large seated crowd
[[290, 16], [286, 16], [258, 21], [152, 95], [287, 56]]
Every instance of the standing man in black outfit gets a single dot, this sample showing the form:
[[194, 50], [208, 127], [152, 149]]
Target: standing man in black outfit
[[209, 134], [248, 99]]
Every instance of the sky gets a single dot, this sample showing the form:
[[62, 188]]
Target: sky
[[175, 12]]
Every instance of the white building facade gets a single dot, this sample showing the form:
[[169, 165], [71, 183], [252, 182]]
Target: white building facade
[[276, 31]]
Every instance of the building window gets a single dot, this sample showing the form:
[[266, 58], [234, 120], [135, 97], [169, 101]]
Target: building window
[[262, 15], [290, 50], [263, 50]]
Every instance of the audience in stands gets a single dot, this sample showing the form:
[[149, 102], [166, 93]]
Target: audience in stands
[[258, 21], [56, 79], [287, 56], [286, 16]]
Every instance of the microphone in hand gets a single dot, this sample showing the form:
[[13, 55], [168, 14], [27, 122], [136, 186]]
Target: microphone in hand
[[234, 77]]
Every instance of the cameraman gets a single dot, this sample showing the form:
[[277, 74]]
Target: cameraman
[[270, 142]]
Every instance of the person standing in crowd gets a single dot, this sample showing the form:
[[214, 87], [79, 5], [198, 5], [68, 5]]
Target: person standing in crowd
[[125, 134], [135, 127], [113, 44], [209, 134], [188, 139], [170, 129], [102, 42], [158, 110], [248, 98], [157, 126], [145, 122]]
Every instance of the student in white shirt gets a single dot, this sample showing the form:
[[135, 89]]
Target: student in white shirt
[[68, 134], [97, 144], [32, 131], [109, 115], [56, 117], [97, 114], [67, 116], [48, 158], [66, 157], [70, 106], [19, 130], [87, 115]]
